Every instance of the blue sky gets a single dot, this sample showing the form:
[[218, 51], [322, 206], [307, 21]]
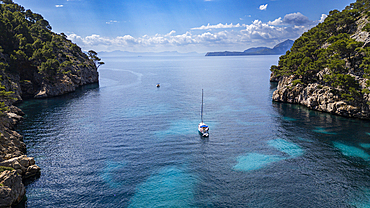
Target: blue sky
[[181, 25]]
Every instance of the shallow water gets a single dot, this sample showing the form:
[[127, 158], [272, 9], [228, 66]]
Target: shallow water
[[127, 143]]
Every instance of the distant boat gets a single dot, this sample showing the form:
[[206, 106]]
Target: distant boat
[[158, 85], [202, 127]]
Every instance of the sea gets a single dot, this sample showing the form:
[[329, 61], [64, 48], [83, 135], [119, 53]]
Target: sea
[[126, 143]]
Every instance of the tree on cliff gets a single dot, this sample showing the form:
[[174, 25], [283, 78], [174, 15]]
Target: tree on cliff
[[329, 46], [94, 57]]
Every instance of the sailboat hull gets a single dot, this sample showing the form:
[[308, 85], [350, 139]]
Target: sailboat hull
[[203, 130]]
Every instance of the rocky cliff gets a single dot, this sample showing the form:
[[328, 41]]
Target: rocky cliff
[[321, 98], [34, 63], [327, 69]]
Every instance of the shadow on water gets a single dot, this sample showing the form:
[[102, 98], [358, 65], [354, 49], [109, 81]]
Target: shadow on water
[[35, 106], [37, 109]]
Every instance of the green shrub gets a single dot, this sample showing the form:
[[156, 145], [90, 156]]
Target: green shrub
[[297, 81], [3, 168], [366, 28]]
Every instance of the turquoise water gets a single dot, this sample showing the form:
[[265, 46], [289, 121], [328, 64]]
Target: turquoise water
[[127, 143]]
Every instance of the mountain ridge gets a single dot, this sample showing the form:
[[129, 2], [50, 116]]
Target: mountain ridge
[[278, 49]]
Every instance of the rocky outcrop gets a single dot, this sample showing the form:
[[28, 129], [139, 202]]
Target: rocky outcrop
[[11, 142], [67, 83], [274, 78], [321, 98], [12, 156], [12, 189], [23, 165]]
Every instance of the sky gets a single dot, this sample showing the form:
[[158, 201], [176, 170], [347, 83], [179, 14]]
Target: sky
[[181, 25]]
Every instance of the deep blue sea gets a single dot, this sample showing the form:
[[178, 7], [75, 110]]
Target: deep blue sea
[[127, 143]]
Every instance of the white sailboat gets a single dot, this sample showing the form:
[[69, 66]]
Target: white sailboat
[[202, 127]]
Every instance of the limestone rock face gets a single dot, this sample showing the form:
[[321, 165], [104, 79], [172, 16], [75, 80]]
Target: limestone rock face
[[274, 78], [11, 189], [12, 150], [68, 83], [321, 98], [11, 143], [23, 165]]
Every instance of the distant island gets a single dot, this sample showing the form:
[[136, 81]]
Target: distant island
[[279, 49]]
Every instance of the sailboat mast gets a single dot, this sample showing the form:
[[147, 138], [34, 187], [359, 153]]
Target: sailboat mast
[[201, 112]]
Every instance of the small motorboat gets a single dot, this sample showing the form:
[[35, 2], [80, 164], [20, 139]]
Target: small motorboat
[[158, 85]]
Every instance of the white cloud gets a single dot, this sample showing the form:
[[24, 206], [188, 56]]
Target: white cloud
[[263, 7], [323, 17], [220, 37], [111, 22], [171, 33], [60, 5], [276, 22], [218, 26], [295, 19]]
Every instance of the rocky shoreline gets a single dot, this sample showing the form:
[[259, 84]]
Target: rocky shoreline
[[319, 97], [15, 166], [13, 159]]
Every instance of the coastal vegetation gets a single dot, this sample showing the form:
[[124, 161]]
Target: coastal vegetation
[[3, 168], [34, 56], [334, 54]]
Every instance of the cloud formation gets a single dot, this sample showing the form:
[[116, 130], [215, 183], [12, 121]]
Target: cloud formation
[[218, 26], [111, 22], [206, 38], [323, 17], [296, 19], [263, 7]]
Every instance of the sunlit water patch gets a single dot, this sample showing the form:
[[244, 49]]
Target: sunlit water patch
[[304, 139], [255, 161], [251, 123], [323, 131], [131, 78], [287, 147], [110, 170], [352, 151], [180, 127], [139, 111], [289, 119], [170, 187], [363, 199], [366, 146]]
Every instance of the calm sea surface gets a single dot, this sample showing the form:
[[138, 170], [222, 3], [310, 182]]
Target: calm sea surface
[[127, 143]]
